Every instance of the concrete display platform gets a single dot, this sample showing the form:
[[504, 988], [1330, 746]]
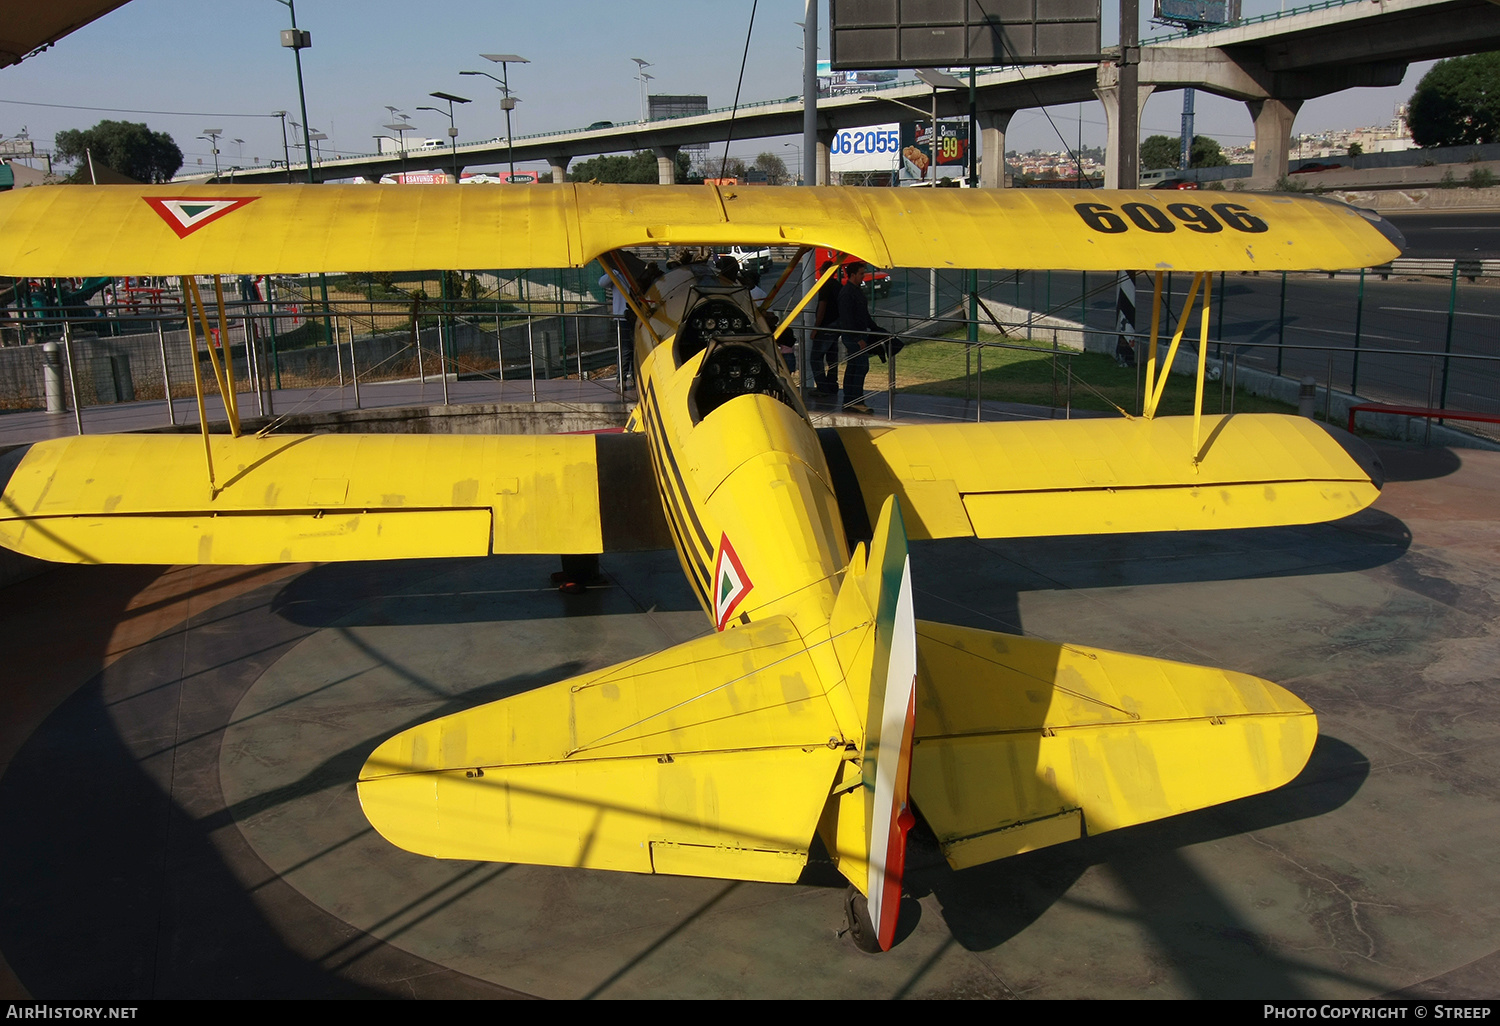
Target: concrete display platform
[[178, 749]]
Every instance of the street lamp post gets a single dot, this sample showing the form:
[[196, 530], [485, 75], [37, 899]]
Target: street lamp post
[[798, 150], [400, 127], [643, 78], [298, 40], [507, 101], [452, 125], [286, 152], [211, 136]]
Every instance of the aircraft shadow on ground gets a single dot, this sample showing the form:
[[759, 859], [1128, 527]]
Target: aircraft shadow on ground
[[484, 590]]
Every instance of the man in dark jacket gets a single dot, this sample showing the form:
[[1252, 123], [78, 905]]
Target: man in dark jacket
[[860, 334], [825, 340]]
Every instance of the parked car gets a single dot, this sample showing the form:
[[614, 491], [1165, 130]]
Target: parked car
[[1175, 183], [757, 260], [877, 283]]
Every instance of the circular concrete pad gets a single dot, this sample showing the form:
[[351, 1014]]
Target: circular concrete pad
[[185, 822]]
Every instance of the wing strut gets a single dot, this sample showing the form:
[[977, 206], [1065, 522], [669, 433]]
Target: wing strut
[[223, 373], [619, 275], [1156, 386], [792, 315], [791, 265]]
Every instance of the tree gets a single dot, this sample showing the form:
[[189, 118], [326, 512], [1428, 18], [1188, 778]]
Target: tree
[[1160, 151], [127, 147], [773, 166], [1457, 103], [639, 169], [1355, 150]]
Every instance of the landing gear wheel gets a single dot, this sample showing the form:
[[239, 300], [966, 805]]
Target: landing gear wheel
[[857, 919]]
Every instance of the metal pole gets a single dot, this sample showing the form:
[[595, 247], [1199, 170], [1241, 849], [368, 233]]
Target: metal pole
[[353, 370], [72, 380], [890, 387], [338, 353], [1220, 346], [1328, 394], [979, 383], [166, 377], [620, 353], [1448, 341], [1281, 327], [252, 358], [1431, 376], [531, 353], [1359, 313]]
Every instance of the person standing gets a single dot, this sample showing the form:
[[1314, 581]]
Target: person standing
[[860, 334], [825, 340]]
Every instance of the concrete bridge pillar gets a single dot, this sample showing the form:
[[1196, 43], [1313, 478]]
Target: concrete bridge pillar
[[666, 164], [992, 126], [559, 167], [1273, 139], [825, 148], [1108, 91]]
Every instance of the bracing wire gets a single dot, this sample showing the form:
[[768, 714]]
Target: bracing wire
[[744, 59]]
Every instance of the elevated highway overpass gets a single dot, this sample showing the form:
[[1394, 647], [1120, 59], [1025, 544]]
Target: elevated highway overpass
[[1272, 64]]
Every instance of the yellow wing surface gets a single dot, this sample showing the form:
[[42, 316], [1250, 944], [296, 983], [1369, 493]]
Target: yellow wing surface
[[1099, 476], [1022, 743], [225, 229], [712, 758], [290, 498]]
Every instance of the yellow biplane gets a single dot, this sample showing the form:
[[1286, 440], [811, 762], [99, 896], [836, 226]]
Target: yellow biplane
[[819, 706]]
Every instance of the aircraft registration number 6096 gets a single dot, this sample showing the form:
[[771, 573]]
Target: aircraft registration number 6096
[[1149, 218]]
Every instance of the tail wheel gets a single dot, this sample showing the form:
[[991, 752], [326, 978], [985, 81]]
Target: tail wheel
[[857, 922]]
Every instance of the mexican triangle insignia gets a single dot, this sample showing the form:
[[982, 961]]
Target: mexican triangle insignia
[[186, 214], [731, 584]]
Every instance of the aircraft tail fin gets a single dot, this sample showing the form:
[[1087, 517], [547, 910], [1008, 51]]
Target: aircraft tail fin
[[871, 816]]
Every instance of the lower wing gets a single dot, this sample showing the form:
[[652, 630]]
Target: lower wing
[[291, 498], [1099, 476]]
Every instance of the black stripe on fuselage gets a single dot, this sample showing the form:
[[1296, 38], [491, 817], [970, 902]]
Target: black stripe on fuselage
[[653, 405], [699, 573]]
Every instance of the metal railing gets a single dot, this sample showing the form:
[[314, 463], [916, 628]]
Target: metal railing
[[531, 329]]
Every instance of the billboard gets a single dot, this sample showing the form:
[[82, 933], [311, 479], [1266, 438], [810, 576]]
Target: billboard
[[873, 148], [1198, 13], [961, 33], [917, 149]]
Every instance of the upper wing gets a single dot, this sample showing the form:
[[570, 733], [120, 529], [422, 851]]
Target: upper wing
[[224, 229], [1096, 476], [712, 758], [290, 498]]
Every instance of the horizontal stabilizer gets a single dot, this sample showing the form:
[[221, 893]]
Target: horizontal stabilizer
[[290, 498], [1023, 743], [1102, 475], [712, 758]]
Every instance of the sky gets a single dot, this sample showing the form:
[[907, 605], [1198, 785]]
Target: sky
[[200, 64]]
